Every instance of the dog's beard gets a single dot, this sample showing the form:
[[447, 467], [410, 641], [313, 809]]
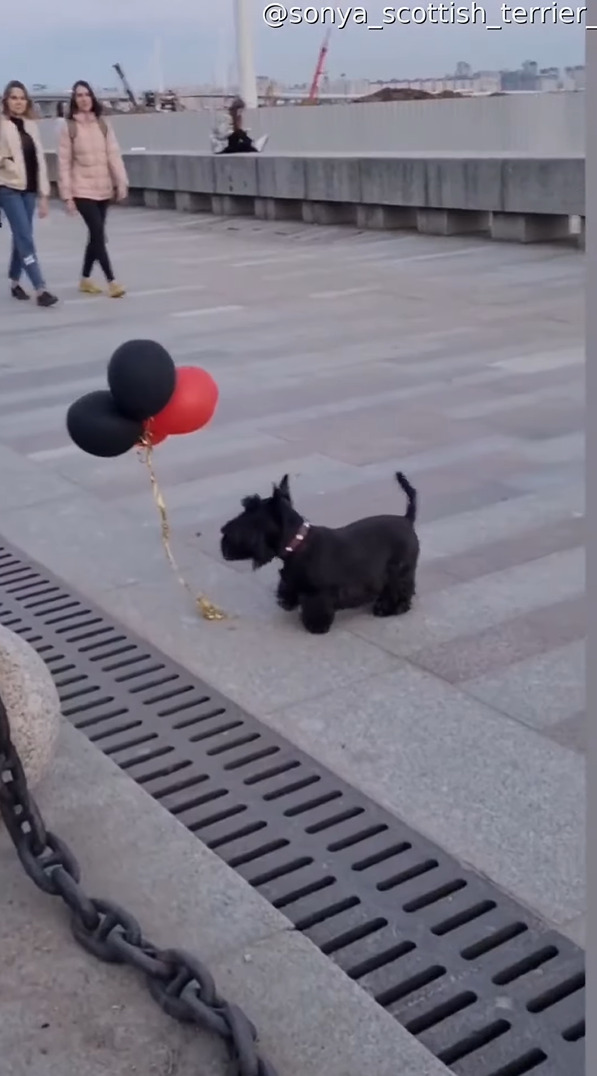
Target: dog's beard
[[262, 550], [261, 557], [259, 553]]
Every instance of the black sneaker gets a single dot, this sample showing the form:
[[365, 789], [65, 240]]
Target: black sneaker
[[46, 299], [18, 292]]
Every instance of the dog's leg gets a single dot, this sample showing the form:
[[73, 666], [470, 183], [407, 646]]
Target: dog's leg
[[398, 592], [317, 613], [286, 596], [406, 592]]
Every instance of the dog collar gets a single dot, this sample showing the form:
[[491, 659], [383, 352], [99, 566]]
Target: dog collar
[[298, 539]]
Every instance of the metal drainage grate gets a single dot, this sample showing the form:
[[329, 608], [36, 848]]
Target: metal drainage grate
[[489, 989]]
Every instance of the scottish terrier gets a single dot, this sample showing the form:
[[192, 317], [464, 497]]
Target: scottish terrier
[[370, 562]]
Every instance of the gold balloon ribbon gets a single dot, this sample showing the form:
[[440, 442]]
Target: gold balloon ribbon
[[208, 610]]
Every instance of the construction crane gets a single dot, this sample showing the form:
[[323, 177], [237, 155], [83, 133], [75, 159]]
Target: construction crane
[[314, 89], [126, 85]]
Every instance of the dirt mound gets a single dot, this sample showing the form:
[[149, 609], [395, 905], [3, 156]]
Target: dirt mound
[[405, 93]]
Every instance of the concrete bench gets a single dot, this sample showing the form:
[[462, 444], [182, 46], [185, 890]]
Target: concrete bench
[[517, 198]]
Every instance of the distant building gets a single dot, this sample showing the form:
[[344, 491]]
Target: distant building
[[516, 81], [549, 79], [573, 78]]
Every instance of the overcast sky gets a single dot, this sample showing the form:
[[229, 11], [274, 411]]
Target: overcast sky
[[61, 40]]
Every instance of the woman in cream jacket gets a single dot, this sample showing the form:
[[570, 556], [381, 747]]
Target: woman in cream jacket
[[23, 181]]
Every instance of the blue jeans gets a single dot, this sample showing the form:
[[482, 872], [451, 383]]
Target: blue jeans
[[18, 208]]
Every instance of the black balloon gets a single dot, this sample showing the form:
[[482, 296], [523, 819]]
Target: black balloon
[[96, 426], [142, 378]]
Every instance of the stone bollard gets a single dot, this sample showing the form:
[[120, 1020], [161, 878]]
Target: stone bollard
[[32, 704]]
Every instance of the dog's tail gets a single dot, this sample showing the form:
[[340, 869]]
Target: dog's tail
[[411, 493]]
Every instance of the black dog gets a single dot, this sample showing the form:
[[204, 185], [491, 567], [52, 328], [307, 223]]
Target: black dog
[[326, 569]]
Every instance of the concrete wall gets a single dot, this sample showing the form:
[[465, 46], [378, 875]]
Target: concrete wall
[[518, 198], [537, 123]]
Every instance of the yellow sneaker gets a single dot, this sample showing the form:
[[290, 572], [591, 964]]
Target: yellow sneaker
[[88, 287], [116, 291]]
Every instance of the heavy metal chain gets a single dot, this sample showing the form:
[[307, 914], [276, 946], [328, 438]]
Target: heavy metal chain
[[180, 984]]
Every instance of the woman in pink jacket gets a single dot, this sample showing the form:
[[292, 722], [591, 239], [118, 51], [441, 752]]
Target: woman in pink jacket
[[91, 173]]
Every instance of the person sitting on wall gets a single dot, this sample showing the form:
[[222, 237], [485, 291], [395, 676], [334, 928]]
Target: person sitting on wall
[[231, 137]]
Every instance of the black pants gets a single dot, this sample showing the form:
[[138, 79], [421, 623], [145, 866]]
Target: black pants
[[94, 214], [240, 142]]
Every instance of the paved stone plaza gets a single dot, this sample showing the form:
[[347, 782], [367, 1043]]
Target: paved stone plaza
[[341, 357]]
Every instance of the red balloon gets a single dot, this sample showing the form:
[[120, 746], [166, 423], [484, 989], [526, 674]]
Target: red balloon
[[191, 406]]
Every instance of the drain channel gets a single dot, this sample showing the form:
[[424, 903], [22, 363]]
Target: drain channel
[[488, 988]]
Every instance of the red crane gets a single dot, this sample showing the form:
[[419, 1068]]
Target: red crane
[[314, 90]]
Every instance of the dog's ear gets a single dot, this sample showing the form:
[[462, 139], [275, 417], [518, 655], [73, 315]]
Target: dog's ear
[[283, 490], [250, 503]]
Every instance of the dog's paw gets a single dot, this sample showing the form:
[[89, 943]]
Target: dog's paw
[[286, 603], [381, 609], [384, 608], [286, 599]]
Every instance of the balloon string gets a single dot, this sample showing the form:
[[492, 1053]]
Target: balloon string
[[208, 610]]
